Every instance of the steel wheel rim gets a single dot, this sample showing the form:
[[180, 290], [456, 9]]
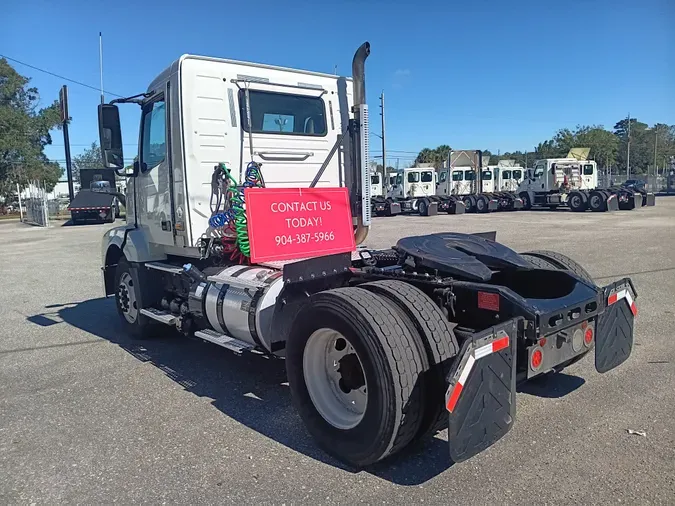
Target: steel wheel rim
[[331, 366], [126, 298]]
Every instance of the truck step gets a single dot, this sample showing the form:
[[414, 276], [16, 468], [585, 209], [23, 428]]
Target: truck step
[[159, 315], [229, 280], [231, 343], [164, 267]]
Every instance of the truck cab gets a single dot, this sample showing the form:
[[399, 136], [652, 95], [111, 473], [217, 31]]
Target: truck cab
[[376, 188], [456, 181], [560, 175], [414, 183], [508, 179], [201, 111]]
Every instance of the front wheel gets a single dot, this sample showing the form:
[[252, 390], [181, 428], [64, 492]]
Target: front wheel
[[129, 297], [354, 372]]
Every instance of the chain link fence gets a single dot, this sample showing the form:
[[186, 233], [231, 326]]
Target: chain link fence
[[655, 184]]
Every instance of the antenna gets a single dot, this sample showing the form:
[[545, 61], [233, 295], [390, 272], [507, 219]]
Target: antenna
[[100, 63]]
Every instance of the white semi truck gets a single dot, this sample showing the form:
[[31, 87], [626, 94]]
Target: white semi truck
[[415, 190], [382, 347], [571, 182], [464, 177]]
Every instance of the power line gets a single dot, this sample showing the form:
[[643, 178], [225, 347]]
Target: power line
[[59, 76]]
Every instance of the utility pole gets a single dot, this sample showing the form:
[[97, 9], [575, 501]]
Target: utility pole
[[63, 102], [628, 151], [384, 158]]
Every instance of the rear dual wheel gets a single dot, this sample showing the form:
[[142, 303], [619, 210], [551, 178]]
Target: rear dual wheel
[[359, 373]]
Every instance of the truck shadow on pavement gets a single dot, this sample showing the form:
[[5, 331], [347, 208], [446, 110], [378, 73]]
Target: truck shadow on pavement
[[250, 389], [253, 390]]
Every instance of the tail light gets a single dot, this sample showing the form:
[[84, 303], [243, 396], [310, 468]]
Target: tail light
[[536, 359], [588, 336]]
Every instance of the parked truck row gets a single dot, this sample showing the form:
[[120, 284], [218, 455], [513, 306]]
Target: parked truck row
[[551, 183]]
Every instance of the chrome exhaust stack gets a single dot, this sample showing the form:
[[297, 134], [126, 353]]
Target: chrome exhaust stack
[[360, 132]]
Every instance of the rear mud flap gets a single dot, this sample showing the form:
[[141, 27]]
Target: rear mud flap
[[457, 207], [493, 205], [481, 397], [650, 199], [612, 203], [432, 209], [394, 209], [614, 335]]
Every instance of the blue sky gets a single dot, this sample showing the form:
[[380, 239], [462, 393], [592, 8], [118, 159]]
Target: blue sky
[[473, 74]]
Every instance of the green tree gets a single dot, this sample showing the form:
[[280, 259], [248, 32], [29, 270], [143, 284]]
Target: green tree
[[89, 159], [640, 156], [24, 133], [425, 156]]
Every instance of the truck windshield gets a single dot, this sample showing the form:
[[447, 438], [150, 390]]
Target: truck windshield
[[427, 176], [413, 177], [588, 170], [443, 177], [487, 175], [469, 175], [392, 180], [281, 113], [375, 179], [517, 174], [457, 175], [506, 174]]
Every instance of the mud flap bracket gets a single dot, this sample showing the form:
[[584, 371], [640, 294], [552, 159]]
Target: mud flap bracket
[[481, 397], [614, 335]]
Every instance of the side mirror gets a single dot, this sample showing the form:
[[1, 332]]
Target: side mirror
[[110, 137]]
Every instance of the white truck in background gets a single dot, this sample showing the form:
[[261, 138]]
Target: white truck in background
[[415, 190], [573, 182]]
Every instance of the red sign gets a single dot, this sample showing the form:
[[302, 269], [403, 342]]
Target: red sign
[[294, 223]]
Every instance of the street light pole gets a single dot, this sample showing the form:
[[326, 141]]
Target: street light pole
[[656, 140], [628, 151]]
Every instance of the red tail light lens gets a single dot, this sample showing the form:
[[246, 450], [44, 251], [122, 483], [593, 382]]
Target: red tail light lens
[[588, 336], [536, 359]]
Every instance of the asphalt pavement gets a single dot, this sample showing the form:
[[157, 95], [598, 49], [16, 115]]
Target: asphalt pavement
[[89, 417]]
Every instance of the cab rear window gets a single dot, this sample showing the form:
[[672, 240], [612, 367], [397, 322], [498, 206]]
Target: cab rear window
[[285, 114]]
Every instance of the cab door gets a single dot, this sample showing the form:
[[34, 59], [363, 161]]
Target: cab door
[[154, 184]]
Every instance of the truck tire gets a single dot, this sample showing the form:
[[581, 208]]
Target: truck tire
[[363, 334], [576, 202], [111, 215], [481, 203], [544, 258], [423, 207], [469, 203], [597, 201], [129, 298], [430, 326]]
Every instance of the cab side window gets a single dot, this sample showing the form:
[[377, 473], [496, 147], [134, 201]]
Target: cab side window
[[153, 148]]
